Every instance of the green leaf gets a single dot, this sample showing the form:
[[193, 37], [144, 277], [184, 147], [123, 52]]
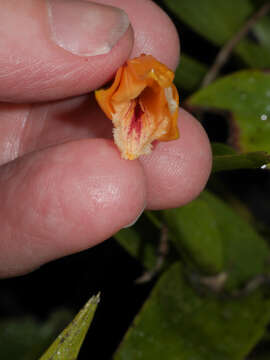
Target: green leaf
[[240, 161], [189, 73], [219, 20], [177, 323], [254, 55], [215, 238], [137, 246], [26, 338], [216, 20], [219, 149], [246, 96], [262, 31], [226, 158], [196, 235], [68, 343]]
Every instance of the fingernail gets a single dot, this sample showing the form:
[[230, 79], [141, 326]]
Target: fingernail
[[85, 28], [135, 220]]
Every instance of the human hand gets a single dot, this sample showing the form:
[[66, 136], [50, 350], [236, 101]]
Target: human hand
[[63, 184]]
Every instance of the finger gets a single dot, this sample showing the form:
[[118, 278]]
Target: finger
[[63, 47], [65, 120], [154, 31], [177, 171], [65, 199], [30, 127]]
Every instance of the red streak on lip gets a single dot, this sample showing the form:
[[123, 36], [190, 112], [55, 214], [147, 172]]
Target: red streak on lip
[[136, 120]]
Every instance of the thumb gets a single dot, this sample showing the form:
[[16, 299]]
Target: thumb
[[59, 48]]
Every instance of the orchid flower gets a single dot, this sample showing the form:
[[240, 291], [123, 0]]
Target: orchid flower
[[142, 103]]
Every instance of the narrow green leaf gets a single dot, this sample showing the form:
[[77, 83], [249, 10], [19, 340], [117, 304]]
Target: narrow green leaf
[[153, 218], [215, 238], [189, 74], [177, 323], [222, 149], [68, 343], [246, 96], [219, 20], [240, 161]]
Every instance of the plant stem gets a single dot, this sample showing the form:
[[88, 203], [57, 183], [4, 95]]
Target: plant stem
[[228, 47]]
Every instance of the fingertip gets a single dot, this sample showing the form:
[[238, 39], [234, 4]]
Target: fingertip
[[164, 42], [106, 191], [112, 191], [68, 198], [178, 171], [154, 31]]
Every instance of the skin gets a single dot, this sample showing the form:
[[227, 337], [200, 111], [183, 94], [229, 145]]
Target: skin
[[63, 184]]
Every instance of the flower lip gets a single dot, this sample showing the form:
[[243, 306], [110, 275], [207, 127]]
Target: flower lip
[[142, 103], [136, 120]]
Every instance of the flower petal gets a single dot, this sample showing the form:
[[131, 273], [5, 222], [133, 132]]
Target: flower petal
[[142, 104], [103, 96]]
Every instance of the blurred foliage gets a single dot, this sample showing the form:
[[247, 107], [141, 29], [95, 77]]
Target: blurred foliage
[[26, 338], [226, 158], [177, 323], [133, 242], [216, 239], [218, 21], [246, 96], [190, 73], [210, 296]]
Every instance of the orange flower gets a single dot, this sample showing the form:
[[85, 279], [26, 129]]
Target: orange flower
[[142, 103]]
